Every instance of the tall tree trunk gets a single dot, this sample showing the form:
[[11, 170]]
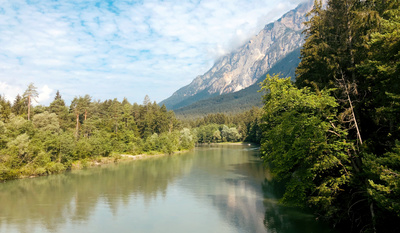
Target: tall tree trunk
[[77, 125], [353, 115], [29, 107]]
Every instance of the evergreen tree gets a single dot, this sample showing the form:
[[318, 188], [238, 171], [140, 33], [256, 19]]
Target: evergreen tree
[[18, 107], [353, 46], [381, 71], [316, 55], [79, 105], [29, 95], [58, 107]]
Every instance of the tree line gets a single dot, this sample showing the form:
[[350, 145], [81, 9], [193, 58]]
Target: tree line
[[41, 140], [333, 136]]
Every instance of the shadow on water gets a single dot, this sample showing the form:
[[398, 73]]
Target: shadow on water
[[282, 219]]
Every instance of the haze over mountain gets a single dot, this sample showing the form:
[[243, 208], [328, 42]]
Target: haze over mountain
[[246, 65]]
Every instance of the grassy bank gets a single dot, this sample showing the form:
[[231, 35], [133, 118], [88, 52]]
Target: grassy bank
[[57, 168]]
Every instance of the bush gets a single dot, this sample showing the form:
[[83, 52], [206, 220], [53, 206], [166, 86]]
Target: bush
[[54, 168]]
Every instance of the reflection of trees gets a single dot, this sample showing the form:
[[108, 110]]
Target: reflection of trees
[[282, 219], [238, 196], [249, 200], [226, 177], [53, 200]]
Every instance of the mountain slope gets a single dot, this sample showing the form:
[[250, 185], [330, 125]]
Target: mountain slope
[[244, 99], [243, 67]]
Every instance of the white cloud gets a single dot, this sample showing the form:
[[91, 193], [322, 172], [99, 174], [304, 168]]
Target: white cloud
[[44, 94], [125, 49], [9, 91]]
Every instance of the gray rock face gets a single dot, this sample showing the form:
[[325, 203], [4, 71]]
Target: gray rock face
[[243, 67]]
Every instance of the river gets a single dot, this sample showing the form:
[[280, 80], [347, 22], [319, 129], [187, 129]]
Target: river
[[219, 188]]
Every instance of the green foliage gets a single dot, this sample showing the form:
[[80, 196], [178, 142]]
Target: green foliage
[[302, 145], [353, 46], [207, 133], [19, 108], [238, 127], [60, 109], [58, 136], [229, 134], [5, 109], [384, 179], [46, 122], [186, 139]]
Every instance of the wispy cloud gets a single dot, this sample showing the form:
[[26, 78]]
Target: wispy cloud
[[111, 49]]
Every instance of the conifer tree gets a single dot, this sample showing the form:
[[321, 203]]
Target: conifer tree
[[353, 46], [18, 107], [29, 95], [79, 105], [58, 107]]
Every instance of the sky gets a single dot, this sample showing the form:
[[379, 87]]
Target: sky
[[116, 48]]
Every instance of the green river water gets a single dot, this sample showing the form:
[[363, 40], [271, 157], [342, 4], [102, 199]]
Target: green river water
[[220, 188]]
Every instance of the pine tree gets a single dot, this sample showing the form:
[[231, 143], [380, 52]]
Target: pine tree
[[79, 105], [18, 107], [58, 107], [29, 95], [353, 46], [315, 67]]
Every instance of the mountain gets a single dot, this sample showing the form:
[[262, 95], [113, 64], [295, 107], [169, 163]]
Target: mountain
[[244, 99], [243, 67]]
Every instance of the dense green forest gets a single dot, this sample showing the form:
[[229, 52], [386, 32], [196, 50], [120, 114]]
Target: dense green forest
[[220, 127], [333, 136], [41, 140], [44, 140]]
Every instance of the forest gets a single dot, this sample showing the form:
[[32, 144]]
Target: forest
[[42, 140], [333, 136]]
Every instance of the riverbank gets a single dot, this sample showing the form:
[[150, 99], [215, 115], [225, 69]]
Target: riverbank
[[58, 168], [229, 143], [117, 158]]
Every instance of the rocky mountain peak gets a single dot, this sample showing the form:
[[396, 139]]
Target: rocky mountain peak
[[244, 66]]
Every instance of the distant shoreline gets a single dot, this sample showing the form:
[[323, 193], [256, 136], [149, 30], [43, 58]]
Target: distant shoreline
[[98, 162], [229, 143], [118, 158]]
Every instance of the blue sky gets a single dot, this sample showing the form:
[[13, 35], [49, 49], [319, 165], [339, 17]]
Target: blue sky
[[115, 49]]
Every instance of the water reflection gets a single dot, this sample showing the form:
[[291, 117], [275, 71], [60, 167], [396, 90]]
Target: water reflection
[[282, 219], [51, 201], [211, 189], [237, 193]]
